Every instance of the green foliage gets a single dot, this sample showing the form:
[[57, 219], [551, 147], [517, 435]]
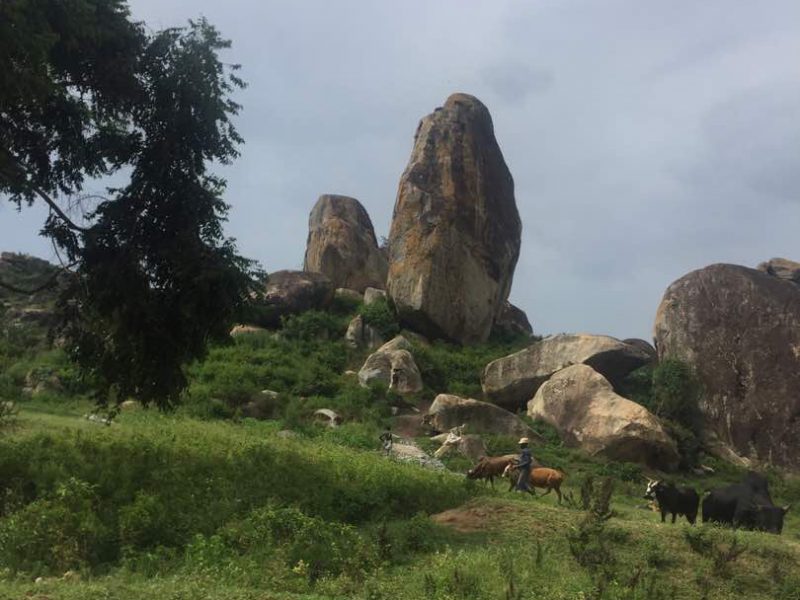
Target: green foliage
[[57, 532], [676, 393], [380, 316], [101, 496], [671, 391], [313, 325], [309, 545], [448, 368], [235, 373], [88, 93]]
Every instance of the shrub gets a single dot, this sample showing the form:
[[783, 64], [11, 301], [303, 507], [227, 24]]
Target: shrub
[[449, 368], [60, 532], [309, 545], [381, 317], [676, 394], [159, 486], [144, 523], [313, 325]]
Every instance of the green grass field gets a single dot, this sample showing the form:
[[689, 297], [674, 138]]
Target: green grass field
[[159, 506]]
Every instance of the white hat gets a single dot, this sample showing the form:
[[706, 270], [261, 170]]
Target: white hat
[[523, 440]]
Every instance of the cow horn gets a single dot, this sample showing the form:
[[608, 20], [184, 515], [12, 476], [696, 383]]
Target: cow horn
[[786, 508]]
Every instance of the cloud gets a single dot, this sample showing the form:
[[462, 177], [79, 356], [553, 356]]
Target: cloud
[[645, 140]]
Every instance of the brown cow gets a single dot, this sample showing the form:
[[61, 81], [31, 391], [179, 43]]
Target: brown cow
[[489, 467], [541, 477]]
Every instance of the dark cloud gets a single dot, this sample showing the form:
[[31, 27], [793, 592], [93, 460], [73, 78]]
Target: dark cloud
[[645, 139]]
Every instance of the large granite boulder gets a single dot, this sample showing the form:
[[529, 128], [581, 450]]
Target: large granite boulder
[[293, 292], [740, 330], [455, 235], [448, 411], [512, 321], [582, 405], [342, 245], [643, 345], [513, 380], [393, 366], [782, 268]]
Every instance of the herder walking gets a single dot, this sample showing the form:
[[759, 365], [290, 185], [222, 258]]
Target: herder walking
[[524, 466]]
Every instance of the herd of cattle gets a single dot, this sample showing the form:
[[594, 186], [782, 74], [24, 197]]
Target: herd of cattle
[[746, 504]]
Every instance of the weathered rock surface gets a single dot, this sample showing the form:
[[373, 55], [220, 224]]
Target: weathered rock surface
[[512, 321], [373, 295], [342, 245], [393, 365], [448, 411], [455, 235], [348, 295], [740, 329], [643, 345], [582, 405], [361, 335], [292, 292], [470, 446], [238, 330], [513, 380], [408, 452], [782, 268]]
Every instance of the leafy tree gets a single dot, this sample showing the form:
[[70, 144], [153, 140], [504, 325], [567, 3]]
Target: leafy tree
[[85, 93]]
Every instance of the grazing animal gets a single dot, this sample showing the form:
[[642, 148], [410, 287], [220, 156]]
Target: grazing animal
[[541, 477], [673, 499], [489, 467], [746, 504]]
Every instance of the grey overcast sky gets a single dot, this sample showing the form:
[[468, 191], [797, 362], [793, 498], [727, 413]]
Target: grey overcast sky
[[646, 139]]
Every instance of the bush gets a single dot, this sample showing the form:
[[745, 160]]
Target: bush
[[57, 533], [313, 325], [676, 394], [95, 496], [381, 317], [309, 545], [448, 368]]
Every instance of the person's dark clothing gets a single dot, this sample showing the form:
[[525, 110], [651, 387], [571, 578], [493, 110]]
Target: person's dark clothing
[[524, 465]]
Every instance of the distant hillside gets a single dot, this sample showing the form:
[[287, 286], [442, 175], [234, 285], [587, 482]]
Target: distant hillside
[[26, 273]]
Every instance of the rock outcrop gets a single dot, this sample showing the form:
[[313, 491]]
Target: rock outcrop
[[448, 411], [342, 245], [643, 345], [513, 380], [582, 405], [373, 295], [512, 321], [455, 235], [360, 335], [392, 365], [782, 268], [293, 292], [740, 330]]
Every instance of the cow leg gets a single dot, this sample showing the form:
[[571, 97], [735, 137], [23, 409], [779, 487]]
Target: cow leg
[[674, 516], [663, 516], [548, 491], [558, 493], [491, 481]]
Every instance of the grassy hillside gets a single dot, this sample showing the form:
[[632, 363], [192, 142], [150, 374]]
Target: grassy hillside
[[179, 508], [204, 503]]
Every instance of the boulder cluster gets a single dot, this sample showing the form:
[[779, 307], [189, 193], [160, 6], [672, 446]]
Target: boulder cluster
[[446, 272]]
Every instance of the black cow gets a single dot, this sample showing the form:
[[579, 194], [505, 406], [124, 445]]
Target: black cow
[[746, 504], [672, 499]]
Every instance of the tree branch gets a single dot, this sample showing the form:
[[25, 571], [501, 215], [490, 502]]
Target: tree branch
[[42, 194]]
